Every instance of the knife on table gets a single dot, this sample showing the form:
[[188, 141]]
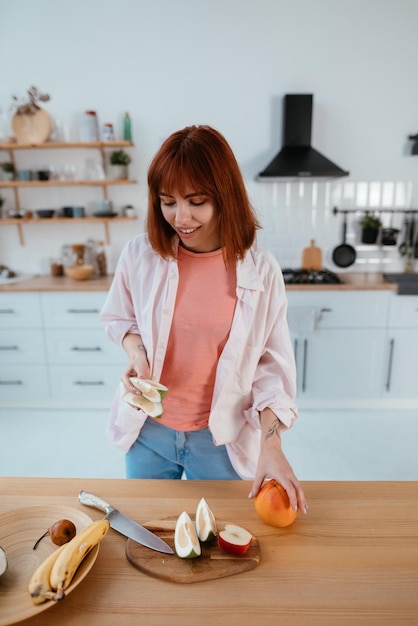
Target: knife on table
[[124, 525]]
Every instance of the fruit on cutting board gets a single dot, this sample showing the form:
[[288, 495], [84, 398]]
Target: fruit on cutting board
[[55, 573], [273, 506], [3, 562], [60, 532], [186, 541], [205, 522], [234, 540]]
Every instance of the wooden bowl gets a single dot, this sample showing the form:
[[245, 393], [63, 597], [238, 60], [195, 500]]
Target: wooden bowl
[[79, 272]]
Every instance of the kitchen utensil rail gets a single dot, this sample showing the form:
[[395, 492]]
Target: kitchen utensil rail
[[336, 210]]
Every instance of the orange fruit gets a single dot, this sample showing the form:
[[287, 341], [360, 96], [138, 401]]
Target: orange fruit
[[273, 506]]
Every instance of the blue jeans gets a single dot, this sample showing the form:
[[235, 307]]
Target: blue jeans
[[161, 452]]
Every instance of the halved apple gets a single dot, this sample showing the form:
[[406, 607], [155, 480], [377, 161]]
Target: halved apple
[[234, 540]]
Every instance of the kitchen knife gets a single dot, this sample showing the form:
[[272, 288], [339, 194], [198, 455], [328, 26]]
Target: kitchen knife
[[125, 525]]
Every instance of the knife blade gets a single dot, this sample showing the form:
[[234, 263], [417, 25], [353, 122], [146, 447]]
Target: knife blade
[[125, 525]]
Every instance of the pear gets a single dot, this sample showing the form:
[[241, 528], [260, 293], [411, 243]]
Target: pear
[[153, 409], [60, 532]]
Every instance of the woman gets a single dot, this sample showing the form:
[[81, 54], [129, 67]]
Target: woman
[[198, 307]]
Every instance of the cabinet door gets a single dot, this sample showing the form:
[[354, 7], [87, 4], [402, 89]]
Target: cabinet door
[[340, 364], [73, 309], [401, 379], [20, 310], [22, 346], [80, 384], [82, 346], [22, 385]]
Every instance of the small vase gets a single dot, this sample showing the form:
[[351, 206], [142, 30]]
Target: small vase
[[34, 128], [118, 172], [369, 235]]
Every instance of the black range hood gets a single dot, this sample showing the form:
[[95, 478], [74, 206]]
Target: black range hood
[[297, 158]]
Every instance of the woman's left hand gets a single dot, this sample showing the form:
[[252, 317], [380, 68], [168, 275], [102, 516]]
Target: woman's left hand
[[272, 463]]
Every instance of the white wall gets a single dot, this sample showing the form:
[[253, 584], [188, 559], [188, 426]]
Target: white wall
[[227, 63]]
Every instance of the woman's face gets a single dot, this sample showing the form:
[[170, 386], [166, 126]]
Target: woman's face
[[193, 217]]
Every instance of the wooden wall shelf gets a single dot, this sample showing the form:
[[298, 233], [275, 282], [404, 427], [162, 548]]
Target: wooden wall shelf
[[19, 222], [66, 183]]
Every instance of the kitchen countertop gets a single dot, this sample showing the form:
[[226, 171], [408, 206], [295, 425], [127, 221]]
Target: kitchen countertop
[[355, 281], [352, 560]]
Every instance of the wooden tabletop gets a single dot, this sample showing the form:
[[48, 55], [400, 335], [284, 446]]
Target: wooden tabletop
[[352, 560]]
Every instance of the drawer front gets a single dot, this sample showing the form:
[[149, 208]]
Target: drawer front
[[21, 346], [338, 310], [23, 383], [79, 383], [83, 347], [403, 312], [72, 310], [20, 310]]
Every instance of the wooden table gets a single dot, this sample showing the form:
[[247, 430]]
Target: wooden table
[[353, 559]]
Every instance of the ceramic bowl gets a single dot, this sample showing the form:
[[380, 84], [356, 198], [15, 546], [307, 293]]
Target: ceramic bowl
[[79, 272], [45, 212]]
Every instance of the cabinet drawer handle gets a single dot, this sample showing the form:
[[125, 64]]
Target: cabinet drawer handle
[[9, 348], [92, 349], [389, 376], [305, 358], [7, 311], [83, 311], [11, 382], [86, 383], [326, 310]]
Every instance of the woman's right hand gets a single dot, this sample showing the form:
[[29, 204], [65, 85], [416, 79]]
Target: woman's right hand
[[138, 362]]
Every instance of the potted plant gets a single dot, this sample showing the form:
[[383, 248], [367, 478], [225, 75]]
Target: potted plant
[[8, 170], [119, 161], [370, 226], [31, 123]]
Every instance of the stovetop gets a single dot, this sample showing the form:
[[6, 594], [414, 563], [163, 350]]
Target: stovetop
[[310, 277]]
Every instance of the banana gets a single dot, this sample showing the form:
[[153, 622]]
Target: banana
[[73, 552], [39, 585]]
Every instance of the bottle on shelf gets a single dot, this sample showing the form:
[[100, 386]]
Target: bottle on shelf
[[127, 127], [90, 127]]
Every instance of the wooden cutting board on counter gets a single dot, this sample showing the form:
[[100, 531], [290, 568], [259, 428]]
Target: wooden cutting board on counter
[[212, 564], [312, 257]]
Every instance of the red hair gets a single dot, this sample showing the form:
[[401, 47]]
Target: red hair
[[199, 158]]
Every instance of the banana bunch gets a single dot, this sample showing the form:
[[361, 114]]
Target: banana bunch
[[55, 573]]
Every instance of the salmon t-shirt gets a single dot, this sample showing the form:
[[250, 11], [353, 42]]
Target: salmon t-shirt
[[203, 313]]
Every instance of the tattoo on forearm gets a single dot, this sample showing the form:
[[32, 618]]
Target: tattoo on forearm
[[274, 430]]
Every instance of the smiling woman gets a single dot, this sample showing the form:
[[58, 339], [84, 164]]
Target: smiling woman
[[188, 300]]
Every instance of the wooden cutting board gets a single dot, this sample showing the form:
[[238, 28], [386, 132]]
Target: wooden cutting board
[[312, 257], [213, 563]]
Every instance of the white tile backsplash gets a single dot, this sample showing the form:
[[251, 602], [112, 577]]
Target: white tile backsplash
[[294, 213]]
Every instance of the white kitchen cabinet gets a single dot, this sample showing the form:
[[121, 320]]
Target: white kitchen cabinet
[[84, 365], [339, 342], [54, 351], [402, 348], [23, 370]]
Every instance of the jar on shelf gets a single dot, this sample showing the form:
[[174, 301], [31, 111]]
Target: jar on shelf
[[108, 132]]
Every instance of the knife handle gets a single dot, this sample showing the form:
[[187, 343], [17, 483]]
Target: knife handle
[[89, 499]]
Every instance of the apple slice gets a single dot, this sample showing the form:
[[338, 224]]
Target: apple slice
[[234, 540]]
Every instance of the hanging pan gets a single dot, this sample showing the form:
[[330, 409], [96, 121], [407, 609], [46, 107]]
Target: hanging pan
[[344, 255]]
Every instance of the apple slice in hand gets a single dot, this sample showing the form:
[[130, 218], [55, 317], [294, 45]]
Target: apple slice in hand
[[234, 540]]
